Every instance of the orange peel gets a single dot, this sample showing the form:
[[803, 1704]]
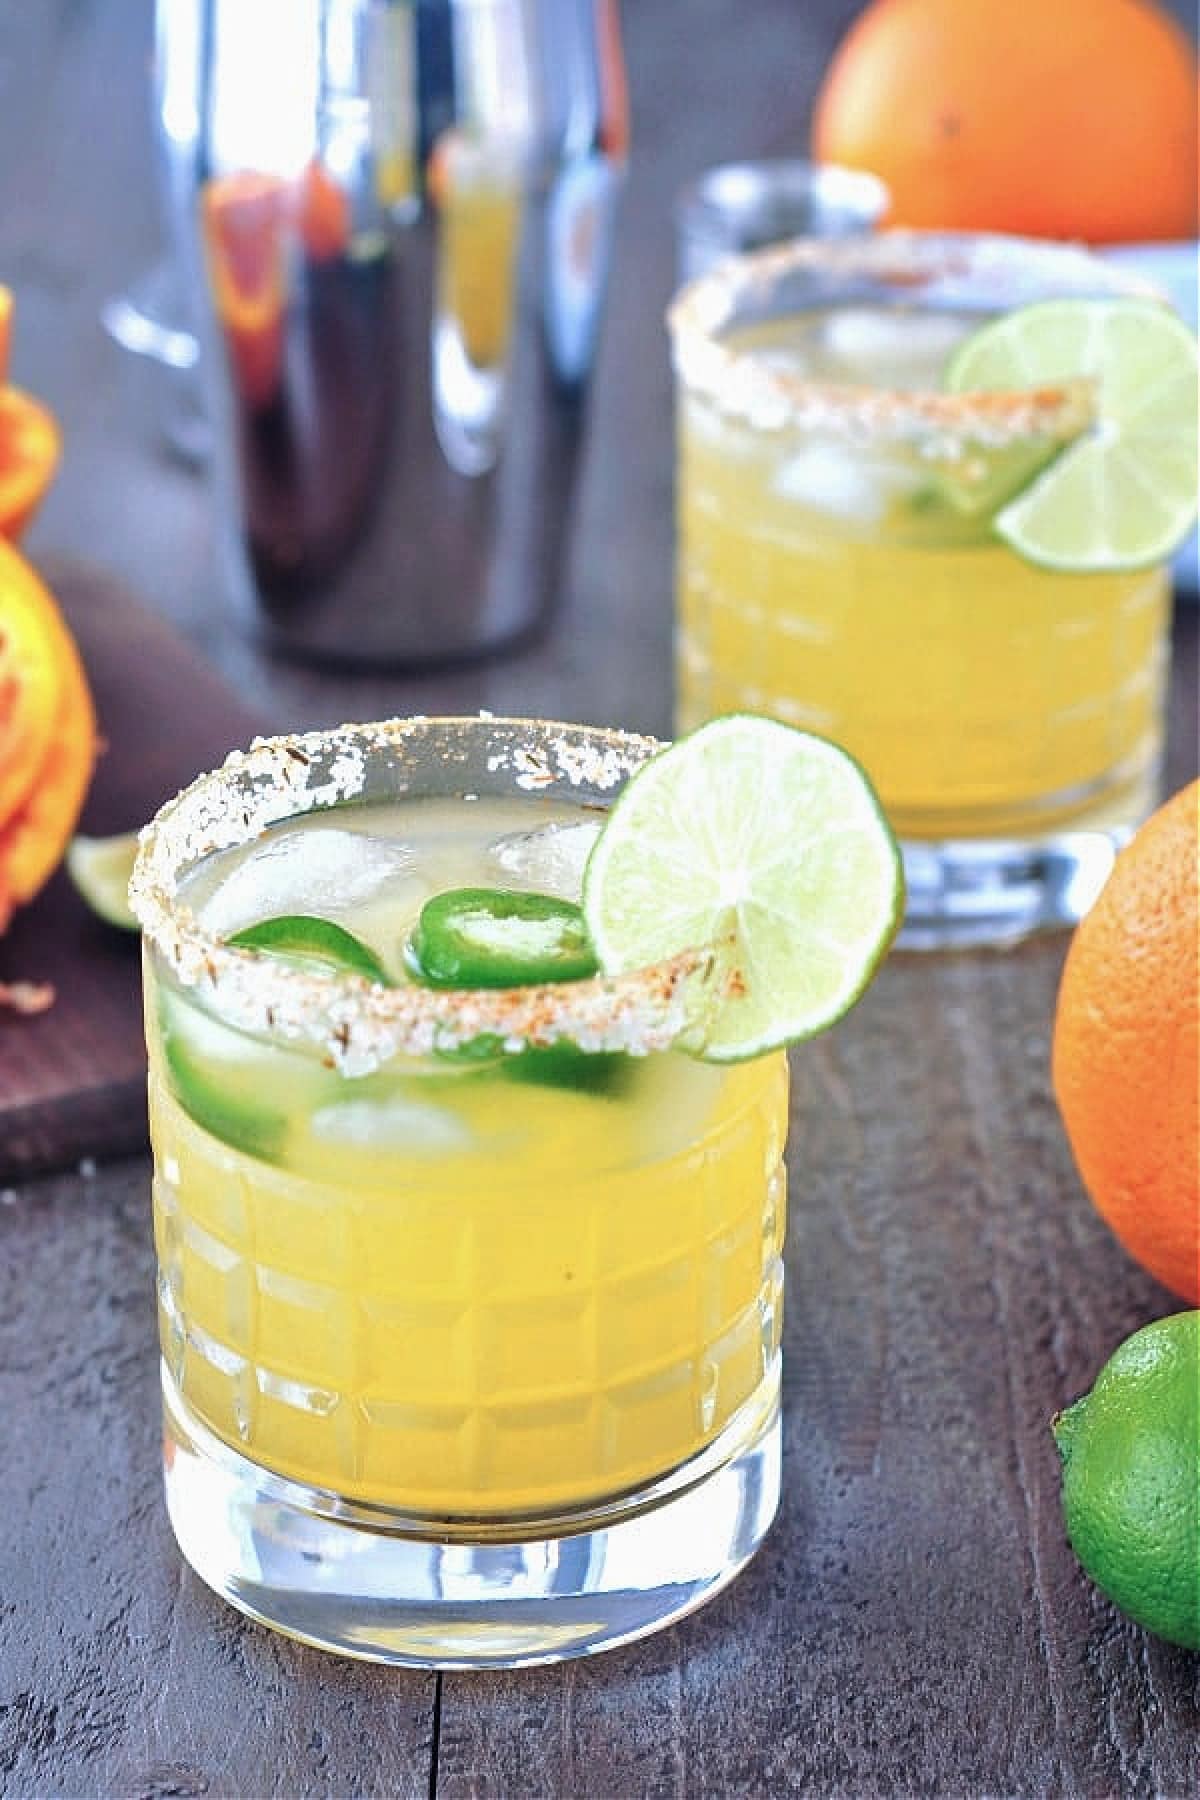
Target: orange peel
[[244, 218], [324, 213], [54, 779], [6, 311], [30, 447], [29, 442], [31, 659]]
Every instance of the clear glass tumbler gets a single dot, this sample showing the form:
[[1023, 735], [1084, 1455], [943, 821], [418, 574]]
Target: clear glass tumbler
[[837, 568], [743, 206], [470, 1300]]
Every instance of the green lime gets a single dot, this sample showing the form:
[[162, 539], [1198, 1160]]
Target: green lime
[[240, 1090], [1131, 1478], [225, 1080], [497, 937], [976, 486], [766, 843], [304, 939], [100, 869], [1122, 495], [223, 1109]]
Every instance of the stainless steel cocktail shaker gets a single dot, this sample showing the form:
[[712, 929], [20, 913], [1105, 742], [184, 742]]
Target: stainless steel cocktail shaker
[[398, 215]]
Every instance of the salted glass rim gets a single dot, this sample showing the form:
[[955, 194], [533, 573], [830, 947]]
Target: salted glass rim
[[356, 1023], [945, 268]]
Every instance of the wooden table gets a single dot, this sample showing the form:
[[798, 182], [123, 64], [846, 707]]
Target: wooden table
[[916, 1621]]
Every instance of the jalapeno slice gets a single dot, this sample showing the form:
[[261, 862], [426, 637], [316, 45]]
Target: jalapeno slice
[[497, 937], [564, 1065], [305, 939]]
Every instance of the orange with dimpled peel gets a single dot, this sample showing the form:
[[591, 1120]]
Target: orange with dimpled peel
[[1072, 120], [47, 734], [1125, 1060], [29, 442]]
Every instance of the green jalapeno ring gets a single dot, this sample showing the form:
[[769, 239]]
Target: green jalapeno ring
[[304, 938], [499, 937]]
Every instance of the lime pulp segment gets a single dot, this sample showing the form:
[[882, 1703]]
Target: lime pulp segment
[[227, 1082], [99, 868], [768, 844], [1123, 495]]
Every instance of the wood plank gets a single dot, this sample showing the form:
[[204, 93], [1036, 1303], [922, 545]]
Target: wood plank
[[121, 1674], [916, 1621], [72, 1080]]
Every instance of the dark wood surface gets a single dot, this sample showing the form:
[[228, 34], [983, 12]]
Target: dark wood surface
[[916, 1622], [73, 1079]]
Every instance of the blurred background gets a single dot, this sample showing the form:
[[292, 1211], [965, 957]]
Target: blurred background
[[81, 219]]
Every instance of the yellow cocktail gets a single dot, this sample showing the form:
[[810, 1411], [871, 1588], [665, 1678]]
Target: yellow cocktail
[[470, 1299], [837, 565], [485, 1289]]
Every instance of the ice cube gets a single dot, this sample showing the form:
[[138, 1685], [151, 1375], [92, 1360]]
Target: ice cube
[[831, 480], [411, 1127], [788, 359], [325, 871], [550, 860], [892, 347]]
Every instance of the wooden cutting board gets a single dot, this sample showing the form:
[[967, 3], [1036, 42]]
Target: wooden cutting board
[[72, 1080]]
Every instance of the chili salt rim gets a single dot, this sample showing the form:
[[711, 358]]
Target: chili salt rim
[[357, 1024], [953, 268]]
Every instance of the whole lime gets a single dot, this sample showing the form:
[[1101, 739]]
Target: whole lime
[[1131, 1478]]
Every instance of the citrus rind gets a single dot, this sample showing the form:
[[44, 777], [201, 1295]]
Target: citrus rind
[[767, 844], [1122, 496], [99, 868]]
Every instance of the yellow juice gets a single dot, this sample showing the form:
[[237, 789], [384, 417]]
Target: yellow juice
[[854, 585], [480, 204], [453, 1288]]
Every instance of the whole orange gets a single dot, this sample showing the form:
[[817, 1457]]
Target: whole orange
[[29, 447], [1073, 118], [1126, 1056], [47, 733]]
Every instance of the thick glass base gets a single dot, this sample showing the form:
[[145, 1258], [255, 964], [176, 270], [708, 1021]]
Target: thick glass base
[[371, 1583], [996, 890], [973, 892]]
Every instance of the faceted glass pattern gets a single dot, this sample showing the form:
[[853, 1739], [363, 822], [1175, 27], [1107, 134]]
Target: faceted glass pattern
[[464, 1342]]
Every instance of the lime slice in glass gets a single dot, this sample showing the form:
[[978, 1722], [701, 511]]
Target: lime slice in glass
[[233, 1086], [224, 1109], [1123, 495], [305, 939], [100, 869], [768, 844], [247, 1091]]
